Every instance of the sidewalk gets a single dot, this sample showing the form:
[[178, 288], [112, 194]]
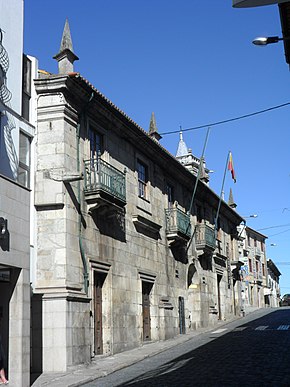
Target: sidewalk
[[102, 366]]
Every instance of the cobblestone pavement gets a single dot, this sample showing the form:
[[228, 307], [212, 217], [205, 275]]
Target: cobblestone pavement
[[254, 353]]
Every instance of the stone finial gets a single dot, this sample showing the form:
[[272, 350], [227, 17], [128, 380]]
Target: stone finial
[[66, 56], [231, 201], [202, 175], [153, 131]]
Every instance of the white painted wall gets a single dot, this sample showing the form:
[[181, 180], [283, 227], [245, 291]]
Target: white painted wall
[[11, 22]]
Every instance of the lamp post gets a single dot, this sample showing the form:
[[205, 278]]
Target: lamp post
[[263, 41], [245, 223]]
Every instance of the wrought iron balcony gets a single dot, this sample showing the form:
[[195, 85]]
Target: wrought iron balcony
[[104, 184], [205, 237], [258, 251], [258, 276], [177, 224]]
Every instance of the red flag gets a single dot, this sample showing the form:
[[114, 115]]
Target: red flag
[[231, 167]]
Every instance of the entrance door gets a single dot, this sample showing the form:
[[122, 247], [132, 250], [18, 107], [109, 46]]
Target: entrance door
[[99, 279], [181, 315], [146, 288], [219, 278]]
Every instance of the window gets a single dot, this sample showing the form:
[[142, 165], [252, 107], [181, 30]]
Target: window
[[142, 179], [26, 87], [249, 240], [219, 230], [257, 267], [96, 143], [263, 269], [24, 160], [262, 246], [199, 214], [170, 194], [250, 266]]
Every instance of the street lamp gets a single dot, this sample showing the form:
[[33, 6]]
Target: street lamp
[[245, 223], [263, 41]]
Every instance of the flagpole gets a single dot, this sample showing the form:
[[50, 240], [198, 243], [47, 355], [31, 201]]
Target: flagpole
[[195, 186], [199, 169], [220, 199]]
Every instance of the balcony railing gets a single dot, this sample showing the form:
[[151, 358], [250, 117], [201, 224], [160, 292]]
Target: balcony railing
[[205, 237], [101, 178], [258, 251], [258, 276], [177, 223]]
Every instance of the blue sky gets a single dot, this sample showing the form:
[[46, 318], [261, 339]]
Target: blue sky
[[192, 63]]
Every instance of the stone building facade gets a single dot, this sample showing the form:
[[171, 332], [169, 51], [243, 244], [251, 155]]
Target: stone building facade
[[120, 259], [16, 135], [254, 269], [273, 292]]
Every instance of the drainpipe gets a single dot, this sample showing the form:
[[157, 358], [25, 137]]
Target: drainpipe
[[81, 117], [83, 255]]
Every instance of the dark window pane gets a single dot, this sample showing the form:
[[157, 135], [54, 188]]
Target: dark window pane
[[142, 179], [96, 143]]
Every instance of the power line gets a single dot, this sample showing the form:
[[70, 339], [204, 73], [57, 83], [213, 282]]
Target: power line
[[230, 119], [267, 228], [278, 233]]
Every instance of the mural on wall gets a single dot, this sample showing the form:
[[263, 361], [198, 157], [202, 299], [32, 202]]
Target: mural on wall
[[245, 273], [7, 148]]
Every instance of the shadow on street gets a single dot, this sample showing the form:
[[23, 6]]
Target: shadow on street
[[256, 353]]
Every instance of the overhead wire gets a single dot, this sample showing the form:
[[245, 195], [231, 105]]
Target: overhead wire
[[268, 228], [278, 233], [229, 120]]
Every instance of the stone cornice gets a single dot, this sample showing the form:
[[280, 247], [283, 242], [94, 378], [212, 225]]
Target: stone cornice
[[85, 97]]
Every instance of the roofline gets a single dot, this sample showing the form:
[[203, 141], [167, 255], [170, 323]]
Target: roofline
[[77, 77], [256, 232], [273, 267]]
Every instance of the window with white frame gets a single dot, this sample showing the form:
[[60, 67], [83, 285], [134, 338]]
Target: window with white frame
[[142, 171], [24, 159], [26, 87]]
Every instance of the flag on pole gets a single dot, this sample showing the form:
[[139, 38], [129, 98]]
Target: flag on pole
[[231, 167]]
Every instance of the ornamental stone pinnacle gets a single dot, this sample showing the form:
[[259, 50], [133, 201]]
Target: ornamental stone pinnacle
[[66, 56], [202, 175], [231, 201], [153, 131]]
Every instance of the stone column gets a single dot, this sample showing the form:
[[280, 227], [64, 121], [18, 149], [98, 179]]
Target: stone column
[[19, 332]]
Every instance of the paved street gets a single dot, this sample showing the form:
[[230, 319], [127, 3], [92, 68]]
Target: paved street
[[241, 353]]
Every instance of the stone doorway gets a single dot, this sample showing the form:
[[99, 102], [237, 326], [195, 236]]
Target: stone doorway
[[146, 289], [219, 278], [181, 314], [99, 279]]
